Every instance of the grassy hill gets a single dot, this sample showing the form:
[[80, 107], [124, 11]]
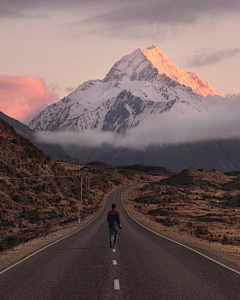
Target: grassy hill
[[37, 194], [204, 204]]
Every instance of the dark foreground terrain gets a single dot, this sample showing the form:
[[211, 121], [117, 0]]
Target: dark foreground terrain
[[143, 266]]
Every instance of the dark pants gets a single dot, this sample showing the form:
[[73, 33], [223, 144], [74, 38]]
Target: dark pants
[[113, 232]]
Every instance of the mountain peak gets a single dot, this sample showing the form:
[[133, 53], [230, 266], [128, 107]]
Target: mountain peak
[[151, 47], [147, 64]]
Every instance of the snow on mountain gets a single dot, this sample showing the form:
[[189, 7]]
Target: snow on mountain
[[141, 83], [150, 64]]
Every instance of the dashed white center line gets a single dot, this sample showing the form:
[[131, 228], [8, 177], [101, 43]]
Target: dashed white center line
[[114, 262], [116, 284], [114, 250]]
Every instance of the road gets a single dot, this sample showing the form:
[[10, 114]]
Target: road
[[143, 266]]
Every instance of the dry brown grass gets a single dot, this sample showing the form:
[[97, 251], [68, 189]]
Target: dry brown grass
[[9, 257], [229, 253]]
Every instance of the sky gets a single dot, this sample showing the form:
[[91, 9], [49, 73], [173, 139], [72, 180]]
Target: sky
[[50, 47]]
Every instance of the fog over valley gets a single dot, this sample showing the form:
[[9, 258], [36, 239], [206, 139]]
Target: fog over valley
[[216, 118]]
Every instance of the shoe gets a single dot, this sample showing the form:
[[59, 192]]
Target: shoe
[[110, 244], [114, 246]]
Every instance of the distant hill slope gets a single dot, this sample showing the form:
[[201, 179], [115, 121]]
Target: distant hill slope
[[222, 155], [18, 126], [19, 156], [201, 178], [148, 169], [54, 151]]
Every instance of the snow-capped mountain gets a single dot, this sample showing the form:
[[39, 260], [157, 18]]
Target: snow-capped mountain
[[151, 64], [142, 83]]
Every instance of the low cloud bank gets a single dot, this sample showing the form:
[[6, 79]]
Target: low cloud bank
[[22, 98], [217, 118]]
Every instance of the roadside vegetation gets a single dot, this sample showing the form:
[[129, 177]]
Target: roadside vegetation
[[204, 204]]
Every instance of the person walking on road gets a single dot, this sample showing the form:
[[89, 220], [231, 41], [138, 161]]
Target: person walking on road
[[114, 224]]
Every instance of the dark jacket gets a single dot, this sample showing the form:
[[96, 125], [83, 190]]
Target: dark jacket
[[113, 219]]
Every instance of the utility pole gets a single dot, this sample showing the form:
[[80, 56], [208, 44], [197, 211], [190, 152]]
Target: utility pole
[[46, 189], [86, 183], [81, 188], [79, 218], [89, 183]]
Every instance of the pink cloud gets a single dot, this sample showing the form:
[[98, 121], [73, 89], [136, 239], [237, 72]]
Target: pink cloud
[[22, 98], [69, 89]]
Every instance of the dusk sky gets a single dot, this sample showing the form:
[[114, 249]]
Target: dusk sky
[[64, 43]]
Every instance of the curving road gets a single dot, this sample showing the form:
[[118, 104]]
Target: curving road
[[143, 266]]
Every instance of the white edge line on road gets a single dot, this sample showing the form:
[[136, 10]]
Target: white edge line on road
[[217, 262], [116, 284], [34, 253], [114, 262], [114, 250]]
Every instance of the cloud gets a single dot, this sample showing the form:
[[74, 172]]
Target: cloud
[[29, 8], [24, 97], [126, 12], [217, 118], [133, 19], [69, 89], [133, 15], [87, 138], [204, 59]]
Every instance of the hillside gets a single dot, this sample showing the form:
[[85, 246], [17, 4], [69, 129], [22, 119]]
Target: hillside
[[54, 151], [153, 170], [38, 194], [199, 178], [222, 155], [200, 203]]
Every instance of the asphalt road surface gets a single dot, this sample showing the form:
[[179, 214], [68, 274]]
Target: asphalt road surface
[[143, 266]]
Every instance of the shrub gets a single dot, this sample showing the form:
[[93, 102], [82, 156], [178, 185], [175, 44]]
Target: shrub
[[200, 231], [225, 240]]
